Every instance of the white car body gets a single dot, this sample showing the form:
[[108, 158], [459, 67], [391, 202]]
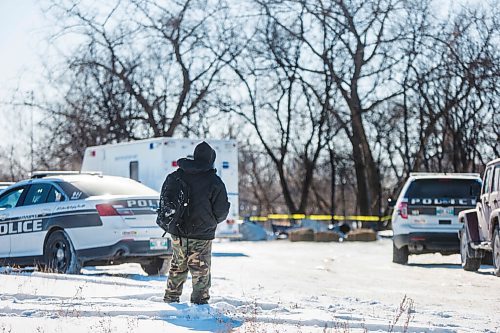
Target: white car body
[[150, 161], [103, 228], [425, 218]]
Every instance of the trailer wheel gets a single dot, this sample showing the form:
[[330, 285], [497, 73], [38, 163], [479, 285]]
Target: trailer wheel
[[496, 252], [400, 256], [157, 266], [469, 263]]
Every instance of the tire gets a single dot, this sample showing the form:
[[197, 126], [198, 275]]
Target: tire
[[157, 266], [469, 263], [59, 254], [400, 256], [487, 259], [496, 252]]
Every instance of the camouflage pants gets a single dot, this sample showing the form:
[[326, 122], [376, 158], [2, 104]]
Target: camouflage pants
[[193, 255]]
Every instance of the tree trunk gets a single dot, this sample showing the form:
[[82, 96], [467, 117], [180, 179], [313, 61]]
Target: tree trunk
[[367, 175]]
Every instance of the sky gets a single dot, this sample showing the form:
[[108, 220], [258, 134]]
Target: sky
[[23, 29], [21, 32], [21, 25]]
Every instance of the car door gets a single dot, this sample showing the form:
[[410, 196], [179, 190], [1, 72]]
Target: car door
[[31, 212], [494, 196], [495, 189], [484, 206], [8, 202]]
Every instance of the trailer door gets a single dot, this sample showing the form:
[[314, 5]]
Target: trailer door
[[134, 170]]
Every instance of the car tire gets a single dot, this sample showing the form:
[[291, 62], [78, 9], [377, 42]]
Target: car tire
[[60, 255], [157, 266], [400, 256], [469, 263], [496, 252]]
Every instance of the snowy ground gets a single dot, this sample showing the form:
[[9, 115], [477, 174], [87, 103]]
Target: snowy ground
[[273, 286]]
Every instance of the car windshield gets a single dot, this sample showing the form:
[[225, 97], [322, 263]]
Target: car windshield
[[10, 200], [444, 188], [105, 186]]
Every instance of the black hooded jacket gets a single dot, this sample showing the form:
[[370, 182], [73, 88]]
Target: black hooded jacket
[[209, 204]]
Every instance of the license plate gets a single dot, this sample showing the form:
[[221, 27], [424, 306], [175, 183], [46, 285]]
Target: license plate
[[444, 211], [159, 243]]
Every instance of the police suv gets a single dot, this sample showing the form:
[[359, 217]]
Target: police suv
[[425, 218], [65, 221]]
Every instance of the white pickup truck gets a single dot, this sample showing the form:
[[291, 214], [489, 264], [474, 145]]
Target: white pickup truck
[[480, 235]]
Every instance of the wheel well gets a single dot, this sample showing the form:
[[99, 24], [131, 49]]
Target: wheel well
[[50, 232]]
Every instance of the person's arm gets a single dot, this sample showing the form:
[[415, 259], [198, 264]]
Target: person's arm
[[220, 202]]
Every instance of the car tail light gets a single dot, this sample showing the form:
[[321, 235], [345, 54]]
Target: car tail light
[[106, 210], [403, 210], [113, 210]]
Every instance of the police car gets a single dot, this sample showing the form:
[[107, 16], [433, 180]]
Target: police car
[[425, 218], [65, 221]]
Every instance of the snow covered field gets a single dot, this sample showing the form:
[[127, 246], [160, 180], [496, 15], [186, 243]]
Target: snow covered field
[[274, 286]]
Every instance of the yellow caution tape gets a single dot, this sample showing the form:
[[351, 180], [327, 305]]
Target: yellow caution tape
[[258, 218], [321, 217], [360, 218]]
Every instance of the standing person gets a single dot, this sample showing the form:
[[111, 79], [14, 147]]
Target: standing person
[[194, 231]]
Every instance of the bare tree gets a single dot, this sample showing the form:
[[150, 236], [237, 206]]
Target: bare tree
[[140, 69], [447, 95], [286, 118]]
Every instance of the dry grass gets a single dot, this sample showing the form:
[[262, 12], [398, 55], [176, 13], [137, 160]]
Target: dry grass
[[403, 316]]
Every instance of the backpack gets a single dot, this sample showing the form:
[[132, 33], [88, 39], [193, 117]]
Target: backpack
[[173, 211]]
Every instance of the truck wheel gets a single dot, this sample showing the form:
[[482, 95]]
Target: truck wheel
[[487, 259], [59, 254], [157, 266], [469, 263], [496, 252], [400, 256]]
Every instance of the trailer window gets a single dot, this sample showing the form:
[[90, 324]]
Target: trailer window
[[134, 170]]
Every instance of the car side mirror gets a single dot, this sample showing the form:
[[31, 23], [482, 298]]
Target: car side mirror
[[391, 202]]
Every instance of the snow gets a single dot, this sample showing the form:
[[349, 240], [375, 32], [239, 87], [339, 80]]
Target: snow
[[273, 286]]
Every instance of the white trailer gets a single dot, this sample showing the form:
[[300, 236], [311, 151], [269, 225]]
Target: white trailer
[[150, 161]]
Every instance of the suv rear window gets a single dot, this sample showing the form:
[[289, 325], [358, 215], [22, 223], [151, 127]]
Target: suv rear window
[[443, 191]]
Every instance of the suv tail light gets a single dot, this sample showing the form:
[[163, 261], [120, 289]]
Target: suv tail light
[[403, 210], [112, 210]]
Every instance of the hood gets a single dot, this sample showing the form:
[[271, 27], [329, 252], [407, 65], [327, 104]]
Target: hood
[[203, 159]]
